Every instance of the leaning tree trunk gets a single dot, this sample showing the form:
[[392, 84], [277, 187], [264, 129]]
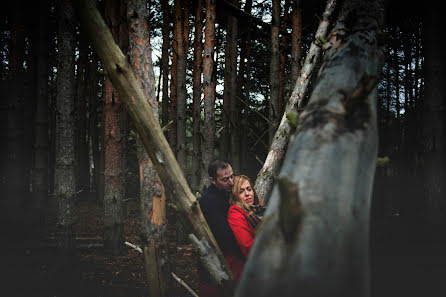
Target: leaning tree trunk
[[151, 191], [273, 162], [116, 65], [314, 239]]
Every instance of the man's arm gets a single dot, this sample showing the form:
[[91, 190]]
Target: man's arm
[[216, 219]]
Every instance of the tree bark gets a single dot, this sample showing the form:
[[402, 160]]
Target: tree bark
[[41, 137], [274, 71], [114, 147], [314, 239], [165, 61], [283, 50], [273, 162], [181, 36], [296, 41], [64, 176], [234, 104], [16, 128], [434, 120], [173, 88], [152, 137], [197, 90], [152, 196], [209, 92], [95, 136], [243, 85], [82, 148]]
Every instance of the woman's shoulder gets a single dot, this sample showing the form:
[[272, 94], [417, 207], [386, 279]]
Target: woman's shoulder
[[235, 210]]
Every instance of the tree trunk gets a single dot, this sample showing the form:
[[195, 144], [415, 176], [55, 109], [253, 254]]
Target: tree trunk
[[243, 80], [296, 41], [283, 50], [64, 176], [95, 131], [314, 239], [434, 120], [181, 39], [209, 92], [173, 88], [113, 150], [196, 106], [230, 75], [266, 176], [274, 71], [41, 137], [16, 130], [82, 149], [234, 118], [152, 196], [116, 65], [165, 61]]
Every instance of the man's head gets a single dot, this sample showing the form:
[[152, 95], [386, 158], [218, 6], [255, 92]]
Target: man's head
[[221, 175]]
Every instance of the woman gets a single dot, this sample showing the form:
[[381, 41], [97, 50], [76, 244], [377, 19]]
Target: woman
[[244, 215]]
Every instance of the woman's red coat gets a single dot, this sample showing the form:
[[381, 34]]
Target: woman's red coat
[[244, 234]]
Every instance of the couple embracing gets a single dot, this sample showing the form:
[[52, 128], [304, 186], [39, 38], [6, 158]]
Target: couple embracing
[[232, 210]]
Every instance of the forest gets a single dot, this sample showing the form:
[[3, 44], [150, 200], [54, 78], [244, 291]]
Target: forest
[[112, 110]]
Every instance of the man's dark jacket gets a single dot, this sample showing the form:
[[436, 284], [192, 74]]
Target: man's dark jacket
[[214, 204]]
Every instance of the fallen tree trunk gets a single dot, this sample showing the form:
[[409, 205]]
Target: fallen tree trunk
[[315, 237], [152, 137], [273, 162]]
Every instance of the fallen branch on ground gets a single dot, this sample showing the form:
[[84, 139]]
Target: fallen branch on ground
[[137, 248], [184, 285]]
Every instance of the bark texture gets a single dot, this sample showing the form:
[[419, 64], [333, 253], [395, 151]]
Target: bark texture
[[181, 39], [113, 144], [434, 119], [197, 91], [273, 162], [41, 137], [234, 136], [209, 92], [165, 61], [296, 41], [64, 175], [274, 71], [314, 239], [16, 119], [152, 196]]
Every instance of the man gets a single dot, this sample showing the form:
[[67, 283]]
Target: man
[[214, 204]]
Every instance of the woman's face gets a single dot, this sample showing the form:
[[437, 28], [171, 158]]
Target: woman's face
[[246, 194]]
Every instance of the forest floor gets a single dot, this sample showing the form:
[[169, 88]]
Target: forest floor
[[37, 271], [405, 261]]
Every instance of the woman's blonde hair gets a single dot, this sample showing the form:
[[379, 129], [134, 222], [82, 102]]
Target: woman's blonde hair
[[233, 198]]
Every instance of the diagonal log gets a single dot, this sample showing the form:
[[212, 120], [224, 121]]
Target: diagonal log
[[128, 88]]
